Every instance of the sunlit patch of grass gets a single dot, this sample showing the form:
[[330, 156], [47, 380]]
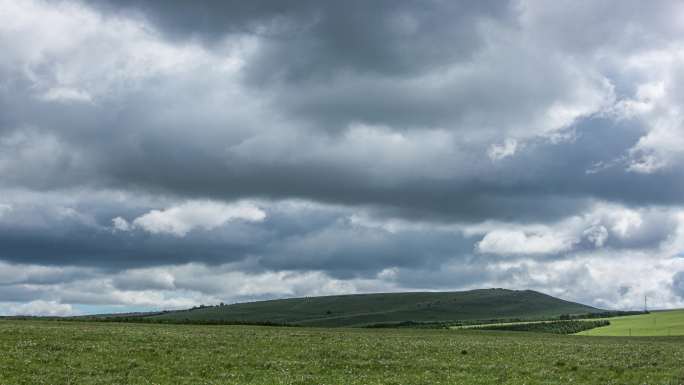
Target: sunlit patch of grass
[[659, 323]]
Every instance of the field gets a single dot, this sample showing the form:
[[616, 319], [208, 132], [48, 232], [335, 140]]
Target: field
[[368, 309], [659, 323], [55, 352]]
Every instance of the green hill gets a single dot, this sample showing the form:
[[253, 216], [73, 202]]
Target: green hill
[[367, 309]]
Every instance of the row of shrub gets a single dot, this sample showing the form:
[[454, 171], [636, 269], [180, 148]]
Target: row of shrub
[[555, 327], [187, 321], [410, 324], [602, 314], [475, 322], [149, 320]]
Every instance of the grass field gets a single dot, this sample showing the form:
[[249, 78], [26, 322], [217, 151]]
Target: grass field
[[659, 323], [53, 352], [365, 309]]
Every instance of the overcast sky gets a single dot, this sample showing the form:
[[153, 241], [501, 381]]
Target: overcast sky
[[164, 154]]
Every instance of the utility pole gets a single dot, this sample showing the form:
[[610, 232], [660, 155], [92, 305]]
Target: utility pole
[[645, 304]]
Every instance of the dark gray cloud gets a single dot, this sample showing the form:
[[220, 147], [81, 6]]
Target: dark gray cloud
[[318, 239], [388, 145], [306, 39], [171, 134]]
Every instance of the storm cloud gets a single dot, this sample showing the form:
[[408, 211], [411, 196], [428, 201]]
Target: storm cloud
[[281, 148]]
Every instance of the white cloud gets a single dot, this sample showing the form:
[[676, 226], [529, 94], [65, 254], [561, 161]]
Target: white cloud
[[145, 279], [674, 246], [600, 224], [591, 94], [622, 221], [72, 53], [599, 278], [597, 235], [168, 287], [644, 101], [657, 104], [379, 151], [510, 242], [39, 308], [121, 224], [66, 94], [207, 215], [5, 208], [500, 151], [626, 222]]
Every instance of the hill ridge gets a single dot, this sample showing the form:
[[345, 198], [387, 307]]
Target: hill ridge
[[373, 308]]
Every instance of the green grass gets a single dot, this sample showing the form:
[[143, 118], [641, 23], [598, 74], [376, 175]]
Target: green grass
[[365, 309], [53, 352], [659, 323]]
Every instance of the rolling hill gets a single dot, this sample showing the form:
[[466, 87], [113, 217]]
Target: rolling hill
[[368, 309]]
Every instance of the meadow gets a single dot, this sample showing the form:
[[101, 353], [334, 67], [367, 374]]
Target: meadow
[[657, 323], [56, 352]]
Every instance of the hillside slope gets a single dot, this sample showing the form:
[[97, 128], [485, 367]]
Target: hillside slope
[[365, 309]]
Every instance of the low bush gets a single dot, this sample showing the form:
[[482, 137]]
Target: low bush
[[555, 327]]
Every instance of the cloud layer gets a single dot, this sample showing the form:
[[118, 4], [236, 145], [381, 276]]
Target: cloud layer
[[300, 148]]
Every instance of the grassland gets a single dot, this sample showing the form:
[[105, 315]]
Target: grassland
[[659, 323], [366, 309], [53, 352]]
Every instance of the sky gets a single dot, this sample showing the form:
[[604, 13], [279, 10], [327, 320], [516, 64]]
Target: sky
[[166, 154]]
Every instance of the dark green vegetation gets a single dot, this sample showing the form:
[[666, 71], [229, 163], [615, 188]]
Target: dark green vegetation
[[387, 308], [555, 327], [53, 352]]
